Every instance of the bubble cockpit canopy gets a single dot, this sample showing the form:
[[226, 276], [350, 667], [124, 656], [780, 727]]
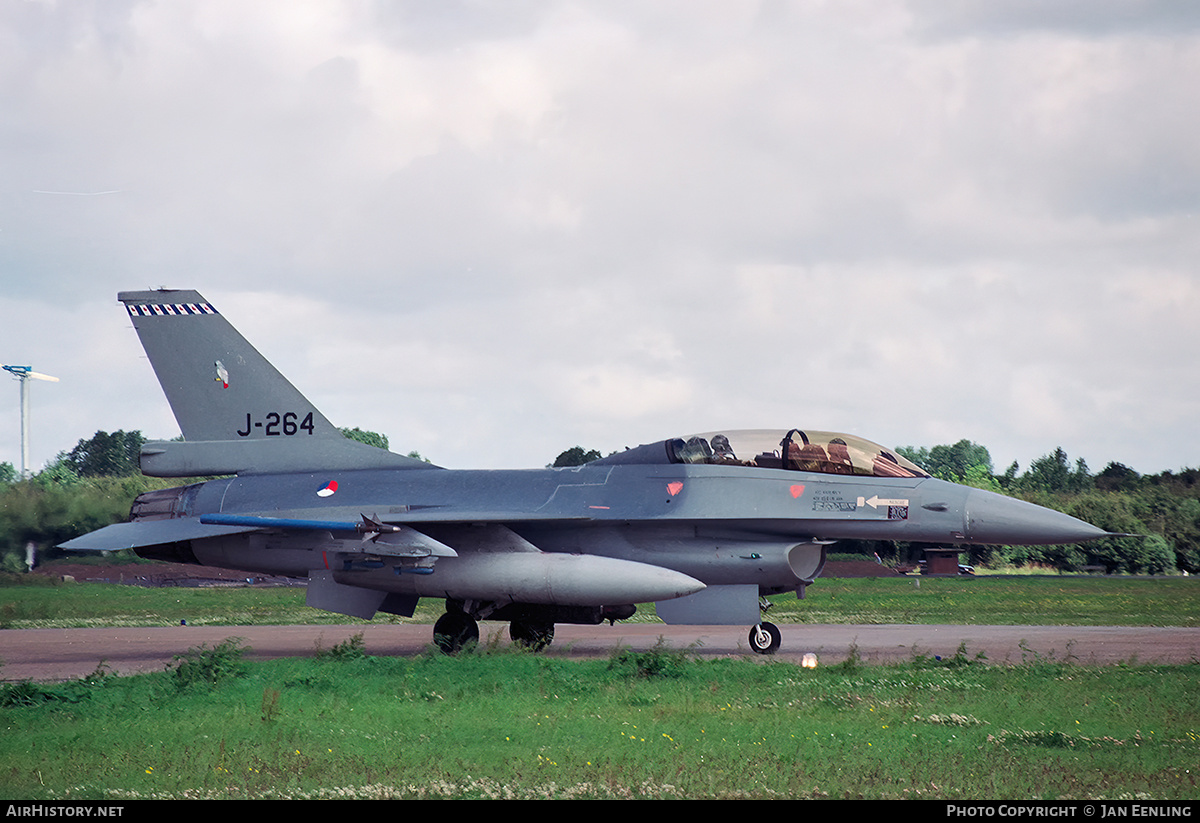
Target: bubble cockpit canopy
[[791, 450]]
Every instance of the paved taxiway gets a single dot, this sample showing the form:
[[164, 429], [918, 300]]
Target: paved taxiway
[[64, 654]]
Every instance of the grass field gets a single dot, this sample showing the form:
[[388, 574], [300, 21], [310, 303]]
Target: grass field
[[658, 724]]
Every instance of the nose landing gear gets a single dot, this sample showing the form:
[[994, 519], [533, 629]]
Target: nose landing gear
[[765, 638]]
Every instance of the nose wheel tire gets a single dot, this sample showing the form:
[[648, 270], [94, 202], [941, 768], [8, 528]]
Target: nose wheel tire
[[765, 638]]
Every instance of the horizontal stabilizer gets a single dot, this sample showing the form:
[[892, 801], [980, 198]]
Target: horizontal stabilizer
[[149, 533]]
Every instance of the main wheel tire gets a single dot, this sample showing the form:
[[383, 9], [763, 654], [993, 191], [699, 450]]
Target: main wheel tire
[[532, 635], [765, 638], [454, 630]]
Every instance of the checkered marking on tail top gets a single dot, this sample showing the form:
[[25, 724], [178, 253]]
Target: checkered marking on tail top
[[169, 309]]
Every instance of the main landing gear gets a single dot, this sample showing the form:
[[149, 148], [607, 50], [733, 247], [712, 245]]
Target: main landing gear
[[459, 628], [454, 630], [531, 634]]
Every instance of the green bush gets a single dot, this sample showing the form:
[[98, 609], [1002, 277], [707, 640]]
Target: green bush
[[202, 665], [661, 661]]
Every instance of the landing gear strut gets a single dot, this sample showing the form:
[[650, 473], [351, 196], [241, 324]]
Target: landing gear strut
[[765, 638]]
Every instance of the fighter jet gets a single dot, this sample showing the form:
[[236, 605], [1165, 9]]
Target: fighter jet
[[704, 526]]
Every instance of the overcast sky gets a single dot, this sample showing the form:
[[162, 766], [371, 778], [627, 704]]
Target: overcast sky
[[496, 230]]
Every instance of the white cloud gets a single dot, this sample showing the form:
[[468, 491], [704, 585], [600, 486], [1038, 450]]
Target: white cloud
[[592, 223]]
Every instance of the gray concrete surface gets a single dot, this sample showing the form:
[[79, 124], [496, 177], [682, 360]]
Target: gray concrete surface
[[63, 654]]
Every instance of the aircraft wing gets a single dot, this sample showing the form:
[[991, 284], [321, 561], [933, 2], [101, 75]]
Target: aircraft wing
[[474, 535], [351, 519], [146, 533]]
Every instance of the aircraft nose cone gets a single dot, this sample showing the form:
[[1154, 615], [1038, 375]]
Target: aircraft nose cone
[[996, 519]]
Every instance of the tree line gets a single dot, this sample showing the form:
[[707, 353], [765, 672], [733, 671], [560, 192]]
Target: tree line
[[1163, 509], [93, 485]]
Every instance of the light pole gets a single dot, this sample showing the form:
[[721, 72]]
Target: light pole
[[24, 374]]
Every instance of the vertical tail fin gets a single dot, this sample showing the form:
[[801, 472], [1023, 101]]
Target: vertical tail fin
[[236, 411], [218, 385]]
